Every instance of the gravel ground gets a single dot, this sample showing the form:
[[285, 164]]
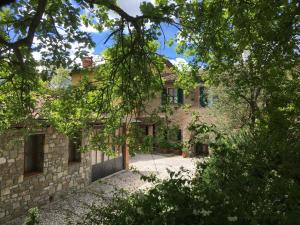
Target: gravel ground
[[73, 205]]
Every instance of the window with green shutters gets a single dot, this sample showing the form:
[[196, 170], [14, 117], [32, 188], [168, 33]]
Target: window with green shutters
[[172, 95], [179, 135], [164, 96], [203, 97], [180, 96]]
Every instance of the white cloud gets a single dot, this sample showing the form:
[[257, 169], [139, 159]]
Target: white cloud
[[179, 62], [36, 55], [245, 55], [132, 7], [88, 29]]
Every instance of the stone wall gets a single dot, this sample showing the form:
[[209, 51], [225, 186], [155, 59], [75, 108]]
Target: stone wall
[[19, 192]]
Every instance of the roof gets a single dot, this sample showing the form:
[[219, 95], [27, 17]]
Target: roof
[[169, 77]]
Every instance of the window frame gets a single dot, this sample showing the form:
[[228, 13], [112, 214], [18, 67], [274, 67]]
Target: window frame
[[172, 95], [34, 154], [203, 97], [74, 155]]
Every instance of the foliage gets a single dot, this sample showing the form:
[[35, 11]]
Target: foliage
[[108, 95], [187, 78], [33, 217], [246, 45], [18, 96], [246, 181], [235, 109], [167, 137], [61, 79], [46, 28], [250, 49], [201, 133]]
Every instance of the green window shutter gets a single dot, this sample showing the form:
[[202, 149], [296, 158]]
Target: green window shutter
[[203, 100], [164, 96], [179, 135], [180, 96]]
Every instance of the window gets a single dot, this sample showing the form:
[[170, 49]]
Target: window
[[201, 149], [203, 97], [212, 100], [180, 96], [172, 95], [34, 153], [74, 148], [164, 96], [179, 135]]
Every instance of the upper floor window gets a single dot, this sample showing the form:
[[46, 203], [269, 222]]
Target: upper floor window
[[172, 95], [74, 148], [34, 153], [179, 135], [146, 130], [203, 97]]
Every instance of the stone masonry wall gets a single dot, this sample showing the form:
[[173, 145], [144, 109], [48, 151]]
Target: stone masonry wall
[[19, 192]]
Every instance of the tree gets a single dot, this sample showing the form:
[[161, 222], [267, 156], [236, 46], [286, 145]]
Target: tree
[[51, 28], [252, 177], [248, 46]]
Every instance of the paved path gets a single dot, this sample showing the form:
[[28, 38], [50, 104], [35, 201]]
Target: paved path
[[75, 204]]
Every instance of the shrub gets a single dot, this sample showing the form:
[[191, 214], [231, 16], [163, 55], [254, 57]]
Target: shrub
[[33, 217], [249, 179]]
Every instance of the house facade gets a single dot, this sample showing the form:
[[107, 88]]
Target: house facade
[[38, 166], [183, 107]]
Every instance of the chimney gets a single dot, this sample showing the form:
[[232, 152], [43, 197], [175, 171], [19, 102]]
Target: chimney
[[87, 62]]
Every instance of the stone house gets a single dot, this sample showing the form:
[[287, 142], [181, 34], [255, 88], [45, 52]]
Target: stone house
[[184, 106], [197, 101], [40, 165]]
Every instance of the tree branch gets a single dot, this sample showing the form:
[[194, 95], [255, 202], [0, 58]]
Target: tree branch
[[110, 5], [35, 21], [28, 40]]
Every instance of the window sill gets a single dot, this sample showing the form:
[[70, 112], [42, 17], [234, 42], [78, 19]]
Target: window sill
[[32, 174], [73, 163]]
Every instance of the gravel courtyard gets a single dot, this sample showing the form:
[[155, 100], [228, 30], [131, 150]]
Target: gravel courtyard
[[75, 204]]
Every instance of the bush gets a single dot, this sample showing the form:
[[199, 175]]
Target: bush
[[33, 217], [249, 179]]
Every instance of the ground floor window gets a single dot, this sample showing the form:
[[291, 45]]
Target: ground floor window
[[201, 149], [75, 143], [34, 153]]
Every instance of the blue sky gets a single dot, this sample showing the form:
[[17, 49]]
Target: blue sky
[[132, 8], [169, 31]]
